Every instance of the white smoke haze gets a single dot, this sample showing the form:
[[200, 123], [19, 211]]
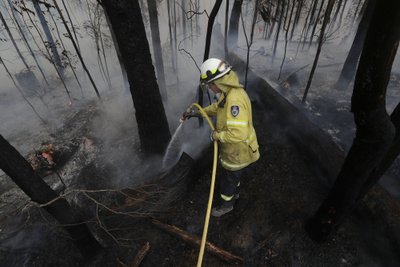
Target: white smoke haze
[[116, 121]]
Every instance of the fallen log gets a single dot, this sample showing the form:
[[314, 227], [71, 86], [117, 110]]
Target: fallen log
[[138, 258], [121, 263], [195, 241], [141, 254]]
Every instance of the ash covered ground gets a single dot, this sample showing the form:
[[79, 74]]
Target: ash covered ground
[[266, 228]]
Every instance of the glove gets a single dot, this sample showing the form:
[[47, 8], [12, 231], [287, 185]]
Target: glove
[[188, 114], [213, 136]]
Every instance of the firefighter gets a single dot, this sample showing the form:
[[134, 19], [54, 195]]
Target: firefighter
[[234, 129]]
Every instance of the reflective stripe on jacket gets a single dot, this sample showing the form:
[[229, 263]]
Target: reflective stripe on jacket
[[235, 132]]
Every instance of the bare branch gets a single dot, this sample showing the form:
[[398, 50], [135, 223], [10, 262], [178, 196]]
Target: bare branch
[[180, 49], [190, 14]]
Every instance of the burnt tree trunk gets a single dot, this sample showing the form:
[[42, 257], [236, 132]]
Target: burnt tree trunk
[[72, 25], [226, 29], [58, 68], [2, 19], [320, 42], [22, 32], [171, 38], [184, 18], [310, 15], [389, 158], [250, 42], [297, 16], [50, 40], [375, 131], [273, 19], [234, 24], [286, 37], [316, 22], [77, 50], [278, 30], [210, 25], [127, 24], [21, 172], [350, 65], [157, 50]]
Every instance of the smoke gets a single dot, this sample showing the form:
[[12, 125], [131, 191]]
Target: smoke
[[116, 122]]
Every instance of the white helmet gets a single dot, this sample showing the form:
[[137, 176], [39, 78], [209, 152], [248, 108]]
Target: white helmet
[[212, 69]]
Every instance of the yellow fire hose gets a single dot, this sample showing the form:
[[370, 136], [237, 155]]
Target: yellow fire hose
[[210, 198]]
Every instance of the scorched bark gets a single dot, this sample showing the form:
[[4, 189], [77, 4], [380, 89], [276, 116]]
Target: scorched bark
[[350, 66], [126, 20]]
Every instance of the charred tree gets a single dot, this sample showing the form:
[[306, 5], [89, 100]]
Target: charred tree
[[234, 24], [13, 41], [21, 91], [184, 31], [50, 40], [226, 29], [274, 19], [356, 12], [35, 85], [210, 25], [65, 51], [350, 65], [249, 43], [95, 18], [310, 22], [171, 39], [286, 38], [278, 30], [172, 42], [389, 158], [127, 25], [375, 131], [22, 33], [297, 16], [175, 52], [342, 15], [75, 45], [316, 22], [21, 172], [157, 50], [320, 42], [72, 25], [53, 63]]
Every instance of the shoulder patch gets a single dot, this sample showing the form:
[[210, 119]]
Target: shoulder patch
[[234, 110]]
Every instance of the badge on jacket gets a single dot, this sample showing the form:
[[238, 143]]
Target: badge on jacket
[[234, 110]]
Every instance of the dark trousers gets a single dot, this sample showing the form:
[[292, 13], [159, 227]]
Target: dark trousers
[[229, 183]]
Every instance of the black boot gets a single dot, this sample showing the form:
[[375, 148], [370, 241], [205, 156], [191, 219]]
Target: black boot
[[223, 208]]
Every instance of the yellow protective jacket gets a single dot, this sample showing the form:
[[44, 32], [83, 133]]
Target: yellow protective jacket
[[235, 132]]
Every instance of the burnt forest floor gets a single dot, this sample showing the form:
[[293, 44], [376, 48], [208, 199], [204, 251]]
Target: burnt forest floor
[[266, 226], [279, 193]]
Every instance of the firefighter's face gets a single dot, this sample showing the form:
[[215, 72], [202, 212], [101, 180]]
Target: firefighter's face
[[213, 87]]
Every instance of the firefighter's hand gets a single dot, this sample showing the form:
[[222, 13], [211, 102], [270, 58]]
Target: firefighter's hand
[[188, 114], [213, 136]]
